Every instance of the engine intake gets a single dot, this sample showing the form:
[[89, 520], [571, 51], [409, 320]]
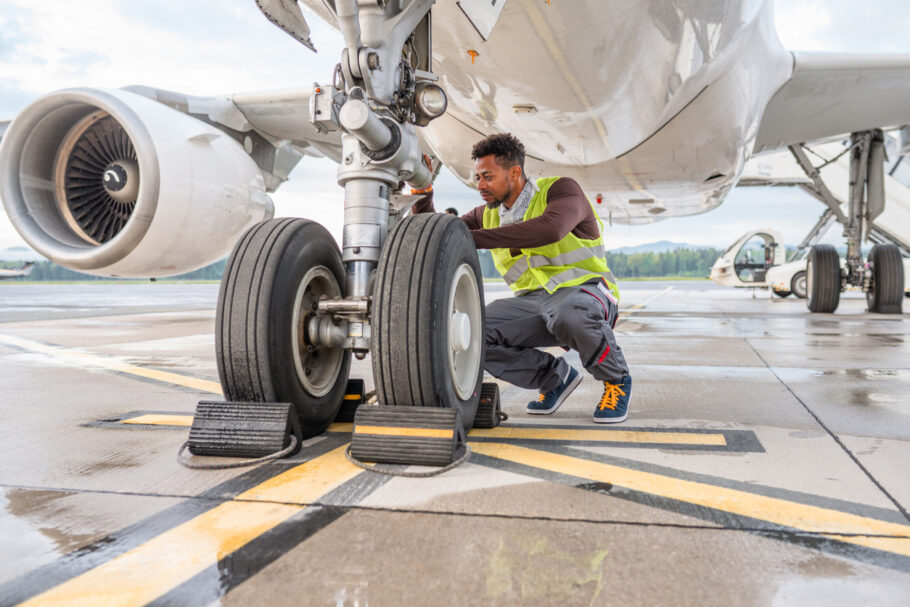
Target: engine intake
[[111, 183]]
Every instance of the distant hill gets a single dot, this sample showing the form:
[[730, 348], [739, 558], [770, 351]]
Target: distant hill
[[20, 253], [662, 246]]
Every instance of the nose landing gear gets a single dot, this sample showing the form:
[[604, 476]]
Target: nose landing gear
[[293, 308]]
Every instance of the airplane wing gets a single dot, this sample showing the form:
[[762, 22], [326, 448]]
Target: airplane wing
[[831, 94], [282, 118]]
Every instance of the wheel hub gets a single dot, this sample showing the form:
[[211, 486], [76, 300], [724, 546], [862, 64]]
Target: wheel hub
[[317, 365], [465, 345], [461, 332]]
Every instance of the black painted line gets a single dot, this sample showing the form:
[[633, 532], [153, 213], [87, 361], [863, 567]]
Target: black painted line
[[106, 549], [219, 579], [209, 585], [736, 441], [866, 511], [725, 520], [834, 436], [735, 446]]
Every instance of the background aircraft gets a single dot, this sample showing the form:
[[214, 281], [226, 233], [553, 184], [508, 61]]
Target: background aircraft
[[25, 270]]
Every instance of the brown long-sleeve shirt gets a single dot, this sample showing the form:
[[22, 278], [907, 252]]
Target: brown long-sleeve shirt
[[567, 211]]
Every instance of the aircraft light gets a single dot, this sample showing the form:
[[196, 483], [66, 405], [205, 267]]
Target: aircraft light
[[431, 101]]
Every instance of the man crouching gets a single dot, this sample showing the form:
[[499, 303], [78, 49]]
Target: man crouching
[[546, 243]]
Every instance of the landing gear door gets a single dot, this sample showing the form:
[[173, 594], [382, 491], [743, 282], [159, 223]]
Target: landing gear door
[[483, 14], [745, 263]]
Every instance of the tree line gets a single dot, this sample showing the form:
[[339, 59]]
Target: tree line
[[681, 263], [49, 271]]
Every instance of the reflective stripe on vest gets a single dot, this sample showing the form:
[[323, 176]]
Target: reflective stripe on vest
[[565, 259], [570, 261]]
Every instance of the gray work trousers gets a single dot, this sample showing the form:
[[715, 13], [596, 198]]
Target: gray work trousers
[[580, 318]]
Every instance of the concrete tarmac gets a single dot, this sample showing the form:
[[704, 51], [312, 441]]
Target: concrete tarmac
[[764, 462]]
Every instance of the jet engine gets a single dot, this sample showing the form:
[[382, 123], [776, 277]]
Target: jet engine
[[111, 183]]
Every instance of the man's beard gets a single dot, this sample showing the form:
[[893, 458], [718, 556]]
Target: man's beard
[[495, 203]]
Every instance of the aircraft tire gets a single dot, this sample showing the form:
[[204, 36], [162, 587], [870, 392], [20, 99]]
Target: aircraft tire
[[272, 281], [884, 296], [428, 317], [823, 279], [798, 284]]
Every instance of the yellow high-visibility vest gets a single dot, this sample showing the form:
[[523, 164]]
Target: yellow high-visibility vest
[[571, 261]]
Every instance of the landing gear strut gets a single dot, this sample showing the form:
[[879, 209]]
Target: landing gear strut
[[882, 277], [293, 308]]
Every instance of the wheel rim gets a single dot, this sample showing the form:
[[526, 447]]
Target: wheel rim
[[801, 286], [464, 332], [317, 365]]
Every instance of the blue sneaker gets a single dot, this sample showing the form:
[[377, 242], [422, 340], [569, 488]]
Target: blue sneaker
[[549, 402], [614, 404]]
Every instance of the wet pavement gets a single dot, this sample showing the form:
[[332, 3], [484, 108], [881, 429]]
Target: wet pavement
[[764, 462]]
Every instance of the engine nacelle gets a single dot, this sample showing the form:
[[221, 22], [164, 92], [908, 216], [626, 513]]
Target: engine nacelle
[[111, 183]]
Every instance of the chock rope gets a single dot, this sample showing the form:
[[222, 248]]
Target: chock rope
[[381, 469], [241, 464]]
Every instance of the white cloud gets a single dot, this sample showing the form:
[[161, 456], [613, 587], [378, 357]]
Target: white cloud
[[803, 24]]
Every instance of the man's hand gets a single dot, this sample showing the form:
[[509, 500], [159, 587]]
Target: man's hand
[[429, 162]]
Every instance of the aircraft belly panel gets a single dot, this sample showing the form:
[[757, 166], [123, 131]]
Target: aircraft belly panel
[[652, 129], [617, 70]]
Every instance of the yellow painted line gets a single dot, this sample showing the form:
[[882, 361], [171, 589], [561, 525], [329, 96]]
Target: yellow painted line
[[351, 397], [154, 568], [160, 420], [613, 436], [812, 519], [566, 434], [414, 432], [91, 360]]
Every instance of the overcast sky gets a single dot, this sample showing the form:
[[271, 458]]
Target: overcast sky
[[208, 47]]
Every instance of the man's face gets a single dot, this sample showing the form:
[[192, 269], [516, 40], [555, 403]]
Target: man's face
[[495, 184]]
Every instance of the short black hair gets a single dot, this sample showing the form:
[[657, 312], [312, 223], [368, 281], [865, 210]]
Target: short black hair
[[505, 147]]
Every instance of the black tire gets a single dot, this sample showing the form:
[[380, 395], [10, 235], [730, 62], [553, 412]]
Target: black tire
[[887, 267], [823, 279], [258, 346], [781, 293], [798, 284], [411, 316]]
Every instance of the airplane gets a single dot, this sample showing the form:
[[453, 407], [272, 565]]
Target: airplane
[[655, 107], [25, 270]]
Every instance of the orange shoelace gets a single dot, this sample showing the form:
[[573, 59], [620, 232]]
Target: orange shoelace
[[541, 397], [611, 395]]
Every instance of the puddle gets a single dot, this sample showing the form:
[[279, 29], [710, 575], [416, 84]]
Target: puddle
[[36, 528]]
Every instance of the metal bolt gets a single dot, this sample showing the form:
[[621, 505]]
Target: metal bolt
[[373, 61], [348, 159], [356, 250]]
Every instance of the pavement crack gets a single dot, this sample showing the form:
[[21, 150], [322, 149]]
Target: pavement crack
[[834, 436]]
